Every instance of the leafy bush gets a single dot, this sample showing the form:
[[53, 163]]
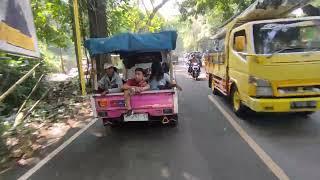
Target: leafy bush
[[11, 70]]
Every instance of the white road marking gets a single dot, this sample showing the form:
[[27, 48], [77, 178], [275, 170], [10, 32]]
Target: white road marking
[[277, 171], [56, 151]]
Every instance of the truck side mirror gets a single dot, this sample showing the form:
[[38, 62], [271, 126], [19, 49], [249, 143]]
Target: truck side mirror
[[240, 43]]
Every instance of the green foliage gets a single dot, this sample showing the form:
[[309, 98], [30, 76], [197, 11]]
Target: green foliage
[[122, 16], [316, 3], [191, 33], [202, 17], [11, 71], [223, 9], [51, 61], [156, 24], [126, 17], [53, 21]]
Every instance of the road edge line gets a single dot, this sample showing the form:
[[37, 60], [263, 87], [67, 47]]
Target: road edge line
[[34, 169], [274, 167]]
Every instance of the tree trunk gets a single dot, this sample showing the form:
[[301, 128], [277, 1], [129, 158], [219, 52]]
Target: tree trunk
[[98, 29], [62, 62]]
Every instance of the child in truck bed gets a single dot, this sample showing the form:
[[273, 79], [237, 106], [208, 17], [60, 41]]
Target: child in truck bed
[[134, 86]]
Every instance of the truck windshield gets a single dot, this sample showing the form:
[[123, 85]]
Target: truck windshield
[[294, 36]]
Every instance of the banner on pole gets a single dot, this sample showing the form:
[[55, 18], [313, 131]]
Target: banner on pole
[[17, 30]]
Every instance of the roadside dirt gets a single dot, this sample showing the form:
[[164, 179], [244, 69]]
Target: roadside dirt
[[62, 112]]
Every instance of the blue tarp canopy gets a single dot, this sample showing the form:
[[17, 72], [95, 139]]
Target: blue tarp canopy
[[127, 43]]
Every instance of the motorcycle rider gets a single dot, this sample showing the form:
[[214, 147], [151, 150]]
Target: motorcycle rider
[[191, 61]]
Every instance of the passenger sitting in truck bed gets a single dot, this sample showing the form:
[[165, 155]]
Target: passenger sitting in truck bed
[[111, 81], [160, 80], [134, 86]]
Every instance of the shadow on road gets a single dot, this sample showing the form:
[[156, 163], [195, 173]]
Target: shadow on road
[[142, 129], [291, 124], [282, 124], [202, 79]]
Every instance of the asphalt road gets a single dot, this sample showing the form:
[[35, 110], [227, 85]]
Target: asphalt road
[[203, 147]]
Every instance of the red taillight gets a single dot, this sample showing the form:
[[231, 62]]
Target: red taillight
[[103, 103]]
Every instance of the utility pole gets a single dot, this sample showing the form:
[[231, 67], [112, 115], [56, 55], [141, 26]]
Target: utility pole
[[77, 41]]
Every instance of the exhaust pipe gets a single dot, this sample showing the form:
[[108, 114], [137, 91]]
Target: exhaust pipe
[[172, 120], [108, 123], [165, 120]]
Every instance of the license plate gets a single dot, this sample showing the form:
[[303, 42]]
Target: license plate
[[136, 117], [303, 104]]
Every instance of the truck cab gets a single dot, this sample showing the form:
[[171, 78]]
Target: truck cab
[[268, 65]]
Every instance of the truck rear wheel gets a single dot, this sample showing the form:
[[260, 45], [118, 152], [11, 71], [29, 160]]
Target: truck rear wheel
[[215, 91], [238, 108], [210, 81]]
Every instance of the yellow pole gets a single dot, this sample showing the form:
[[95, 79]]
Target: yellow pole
[[78, 46]]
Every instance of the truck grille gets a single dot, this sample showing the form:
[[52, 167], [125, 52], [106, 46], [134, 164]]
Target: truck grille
[[299, 90]]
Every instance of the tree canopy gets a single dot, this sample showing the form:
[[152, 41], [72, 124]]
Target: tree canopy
[[127, 17], [201, 18], [52, 20], [223, 9]]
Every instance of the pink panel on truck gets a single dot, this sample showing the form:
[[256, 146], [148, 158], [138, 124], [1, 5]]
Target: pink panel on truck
[[151, 103], [158, 100]]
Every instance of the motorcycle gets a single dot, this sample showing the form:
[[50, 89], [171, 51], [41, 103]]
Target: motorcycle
[[195, 70]]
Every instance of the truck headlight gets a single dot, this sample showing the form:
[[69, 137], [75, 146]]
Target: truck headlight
[[263, 87]]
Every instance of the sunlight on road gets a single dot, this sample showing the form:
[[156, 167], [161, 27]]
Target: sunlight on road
[[165, 172], [188, 176]]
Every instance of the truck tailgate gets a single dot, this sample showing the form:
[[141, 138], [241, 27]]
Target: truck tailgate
[[152, 102]]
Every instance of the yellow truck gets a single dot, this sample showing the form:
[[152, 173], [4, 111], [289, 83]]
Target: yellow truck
[[270, 65]]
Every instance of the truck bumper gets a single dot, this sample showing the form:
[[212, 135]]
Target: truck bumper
[[284, 105]]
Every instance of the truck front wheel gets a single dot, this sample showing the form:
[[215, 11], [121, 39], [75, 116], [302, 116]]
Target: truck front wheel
[[238, 108], [305, 114]]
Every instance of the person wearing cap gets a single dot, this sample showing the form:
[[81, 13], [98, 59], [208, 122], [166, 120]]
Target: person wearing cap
[[111, 81]]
